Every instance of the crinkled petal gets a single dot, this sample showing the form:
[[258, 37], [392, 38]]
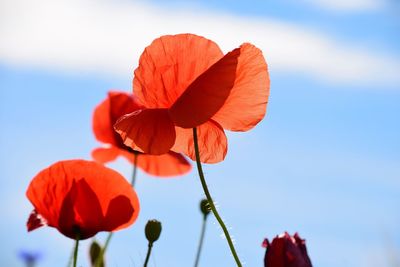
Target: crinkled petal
[[247, 101], [207, 94], [77, 195], [150, 130], [212, 141], [169, 65]]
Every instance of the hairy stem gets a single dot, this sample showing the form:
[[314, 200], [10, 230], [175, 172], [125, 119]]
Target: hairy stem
[[210, 200]]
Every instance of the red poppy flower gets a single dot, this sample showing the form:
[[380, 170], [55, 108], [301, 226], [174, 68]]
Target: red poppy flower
[[81, 197], [104, 117], [286, 251], [184, 81]]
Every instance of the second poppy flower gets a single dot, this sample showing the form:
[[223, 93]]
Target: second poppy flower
[[105, 115]]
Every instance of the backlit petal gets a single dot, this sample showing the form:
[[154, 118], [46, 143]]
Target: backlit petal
[[108, 112], [170, 164], [102, 124], [169, 65], [80, 212], [211, 138], [207, 94], [247, 101], [105, 154], [150, 130]]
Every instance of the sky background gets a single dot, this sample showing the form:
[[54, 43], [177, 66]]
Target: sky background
[[323, 162]]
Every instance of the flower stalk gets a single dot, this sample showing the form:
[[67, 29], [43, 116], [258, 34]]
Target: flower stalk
[[210, 200], [76, 249]]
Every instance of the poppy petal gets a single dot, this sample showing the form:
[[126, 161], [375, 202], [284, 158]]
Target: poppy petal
[[102, 124], [170, 164], [35, 221], [150, 130], [119, 213], [169, 65], [108, 112], [76, 194], [105, 154], [207, 94], [212, 141], [247, 101], [80, 212]]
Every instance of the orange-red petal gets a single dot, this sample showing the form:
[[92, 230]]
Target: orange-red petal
[[105, 154], [78, 195], [247, 101], [207, 94], [169, 65], [150, 130], [212, 141], [102, 124], [170, 164], [108, 112]]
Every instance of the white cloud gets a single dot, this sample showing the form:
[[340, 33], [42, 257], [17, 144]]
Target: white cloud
[[107, 37], [349, 5]]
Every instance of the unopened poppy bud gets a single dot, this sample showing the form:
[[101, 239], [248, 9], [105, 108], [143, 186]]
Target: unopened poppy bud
[[94, 253], [152, 230], [286, 250], [205, 207]]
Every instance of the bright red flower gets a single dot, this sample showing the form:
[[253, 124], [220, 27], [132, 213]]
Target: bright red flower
[[78, 196], [286, 251], [184, 81], [104, 117]]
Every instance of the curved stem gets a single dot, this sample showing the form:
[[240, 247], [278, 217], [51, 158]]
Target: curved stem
[[210, 200], [148, 254], [76, 250], [203, 230], [133, 179]]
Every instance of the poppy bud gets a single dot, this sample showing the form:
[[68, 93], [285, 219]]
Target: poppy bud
[[205, 207], [94, 253], [153, 230], [286, 251]]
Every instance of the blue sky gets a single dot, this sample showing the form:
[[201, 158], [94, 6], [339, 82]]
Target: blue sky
[[324, 161]]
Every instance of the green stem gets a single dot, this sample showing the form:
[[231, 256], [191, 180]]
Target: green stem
[[135, 159], [203, 230], [210, 200], [148, 254], [76, 250], [133, 179]]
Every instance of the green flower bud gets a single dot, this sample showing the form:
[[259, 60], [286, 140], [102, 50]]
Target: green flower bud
[[94, 253], [153, 230], [205, 207]]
